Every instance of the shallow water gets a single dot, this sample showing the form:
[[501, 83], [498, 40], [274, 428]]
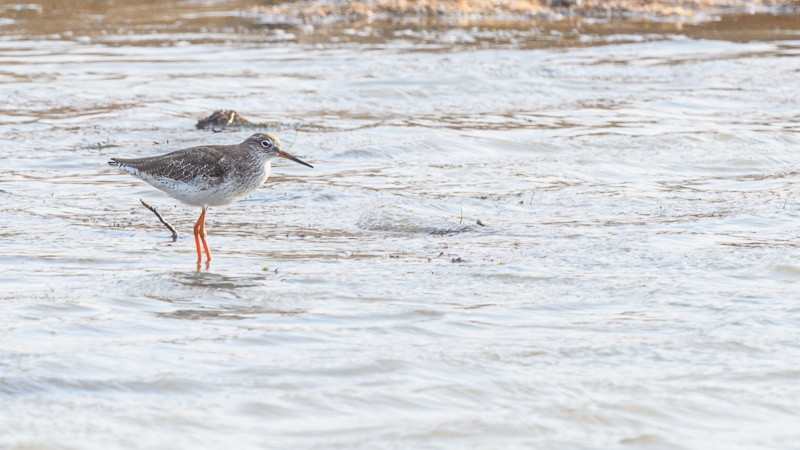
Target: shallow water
[[635, 284]]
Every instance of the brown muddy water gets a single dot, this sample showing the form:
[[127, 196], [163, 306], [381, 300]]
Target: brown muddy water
[[635, 286]]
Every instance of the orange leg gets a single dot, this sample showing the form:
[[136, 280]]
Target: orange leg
[[203, 234], [197, 227]]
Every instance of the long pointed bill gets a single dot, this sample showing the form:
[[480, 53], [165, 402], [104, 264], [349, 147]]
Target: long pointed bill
[[283, 154]]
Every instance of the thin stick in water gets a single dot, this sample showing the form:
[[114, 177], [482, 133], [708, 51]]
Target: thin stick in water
[[462, 215], [293, 140], [534, 193], [166, 224]]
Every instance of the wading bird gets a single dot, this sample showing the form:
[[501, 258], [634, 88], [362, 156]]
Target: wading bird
[[210, 175]]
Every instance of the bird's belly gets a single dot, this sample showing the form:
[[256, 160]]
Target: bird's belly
[[200, 194]]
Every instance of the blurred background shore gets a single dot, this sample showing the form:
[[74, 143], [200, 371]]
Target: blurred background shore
[[527, 23]]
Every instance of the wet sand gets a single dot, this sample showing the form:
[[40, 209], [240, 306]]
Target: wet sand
[[482, 11]]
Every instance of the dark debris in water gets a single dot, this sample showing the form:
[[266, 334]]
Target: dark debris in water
[[225, 118], [192, 314], [99, 146], [452, 231]]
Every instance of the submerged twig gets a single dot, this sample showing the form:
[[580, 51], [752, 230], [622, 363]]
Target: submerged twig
[[166, 224], [530, 202], [462, 215], [290, 146]]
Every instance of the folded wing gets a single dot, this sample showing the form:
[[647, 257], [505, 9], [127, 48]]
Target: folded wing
[[197, 165]]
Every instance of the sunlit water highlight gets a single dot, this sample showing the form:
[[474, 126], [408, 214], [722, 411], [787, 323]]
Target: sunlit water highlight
[[635, 284]]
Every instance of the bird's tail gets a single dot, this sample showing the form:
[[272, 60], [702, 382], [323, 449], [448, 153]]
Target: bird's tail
[[123, 165]]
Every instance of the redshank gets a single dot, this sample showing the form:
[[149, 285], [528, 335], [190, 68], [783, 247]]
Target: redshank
[[211, 175]]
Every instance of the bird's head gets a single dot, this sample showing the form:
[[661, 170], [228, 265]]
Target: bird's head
[[268, 144]]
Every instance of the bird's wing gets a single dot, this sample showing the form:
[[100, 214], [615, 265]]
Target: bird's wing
[[196, 164]]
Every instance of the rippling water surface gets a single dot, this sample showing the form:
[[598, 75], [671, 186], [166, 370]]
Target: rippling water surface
[[635, 284]]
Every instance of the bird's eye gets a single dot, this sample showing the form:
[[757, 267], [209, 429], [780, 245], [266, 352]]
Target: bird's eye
[[266, 144]]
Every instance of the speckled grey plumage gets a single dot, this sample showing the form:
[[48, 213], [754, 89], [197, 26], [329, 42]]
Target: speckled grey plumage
[[209, 175]]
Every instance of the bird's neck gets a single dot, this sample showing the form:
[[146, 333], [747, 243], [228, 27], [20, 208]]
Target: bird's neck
[[267, 166]]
